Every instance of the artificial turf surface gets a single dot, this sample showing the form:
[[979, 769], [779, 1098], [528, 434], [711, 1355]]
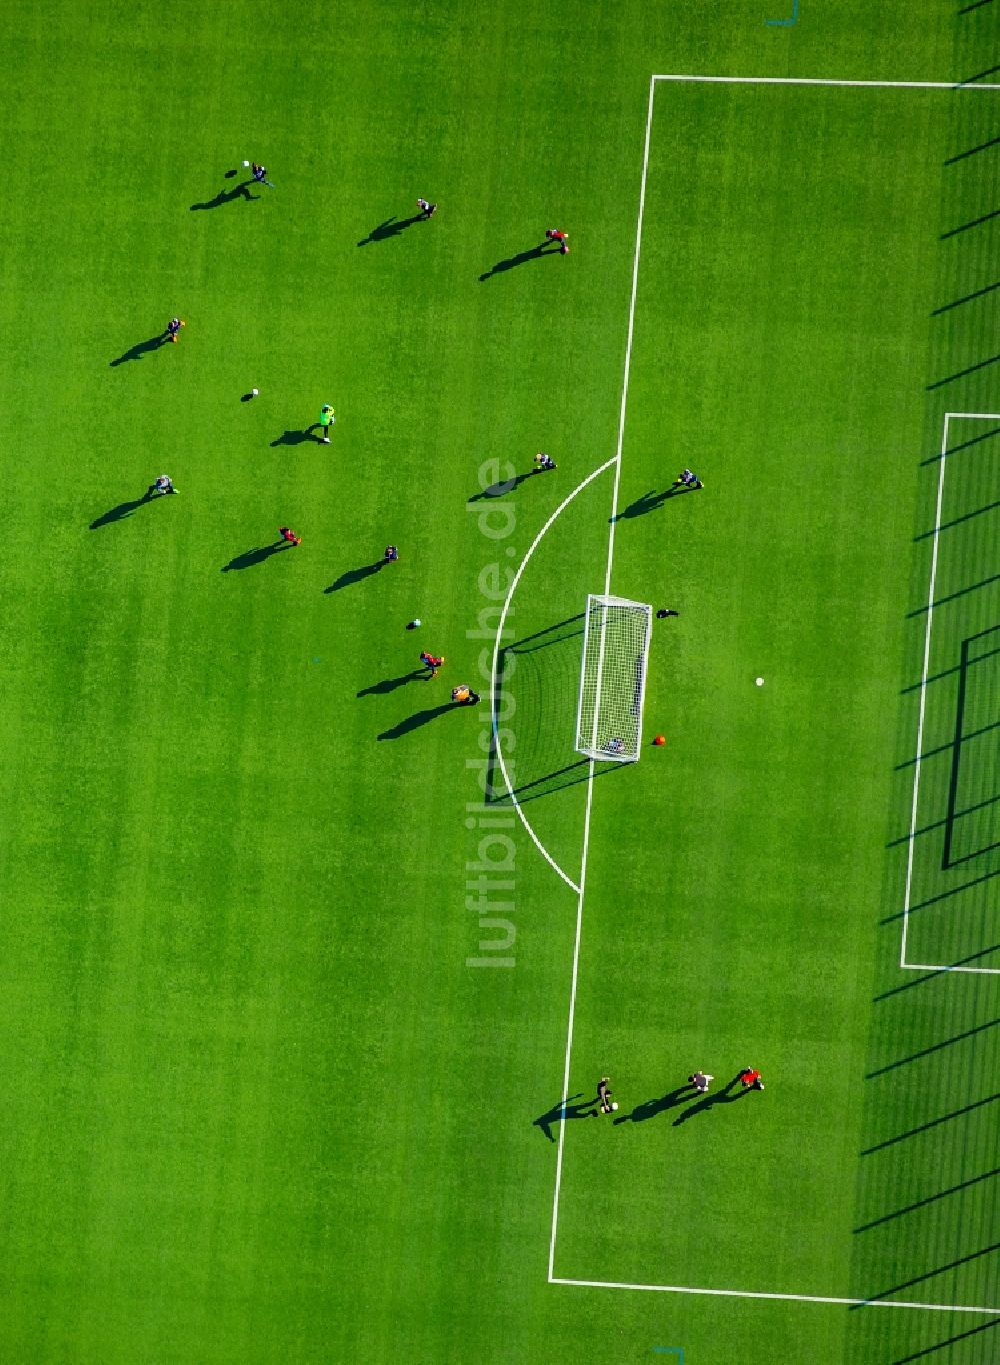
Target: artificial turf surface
[[261, 1103]]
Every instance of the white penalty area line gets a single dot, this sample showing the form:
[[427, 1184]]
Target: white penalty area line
[[785, 1298], [949, 417], [818, 80]]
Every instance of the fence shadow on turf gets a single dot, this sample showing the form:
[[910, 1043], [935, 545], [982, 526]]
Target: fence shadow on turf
[[925, 1275], [930, 1199], [984, 1326], [971, 151]]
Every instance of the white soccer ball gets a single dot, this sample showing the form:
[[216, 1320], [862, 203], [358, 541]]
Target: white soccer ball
[[255, 392], [760, 682], [416, 620], [614, 1104], [246, 163]]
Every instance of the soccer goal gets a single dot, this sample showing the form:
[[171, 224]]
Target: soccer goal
[[613, 678]]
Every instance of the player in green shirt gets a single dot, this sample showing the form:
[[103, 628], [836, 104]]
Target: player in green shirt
[[326, 421]]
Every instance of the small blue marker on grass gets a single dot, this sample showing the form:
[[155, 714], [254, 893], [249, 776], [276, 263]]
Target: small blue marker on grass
[[785, 23]]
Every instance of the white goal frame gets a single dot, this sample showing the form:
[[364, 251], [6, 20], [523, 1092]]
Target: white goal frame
[[623, 742]]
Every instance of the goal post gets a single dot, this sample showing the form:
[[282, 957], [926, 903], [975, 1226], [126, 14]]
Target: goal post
[[613, 678]]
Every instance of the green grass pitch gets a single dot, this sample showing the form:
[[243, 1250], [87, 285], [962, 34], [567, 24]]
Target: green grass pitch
[[296, 1017]]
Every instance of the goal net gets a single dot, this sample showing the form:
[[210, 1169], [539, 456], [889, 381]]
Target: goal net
[[612, 678]]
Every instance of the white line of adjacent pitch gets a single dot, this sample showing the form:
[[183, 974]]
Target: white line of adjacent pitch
[[904, 965], [793, 1298], [818, 80], [607, 589]]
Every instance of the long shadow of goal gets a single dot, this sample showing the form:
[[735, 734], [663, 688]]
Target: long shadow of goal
[[535, 694]]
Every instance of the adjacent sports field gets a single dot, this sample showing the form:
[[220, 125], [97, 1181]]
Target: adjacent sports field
[[308, 974]]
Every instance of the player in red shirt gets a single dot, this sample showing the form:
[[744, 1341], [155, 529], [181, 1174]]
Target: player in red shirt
[[554, 235], [750, 1077], [288, 534], [431, 661]]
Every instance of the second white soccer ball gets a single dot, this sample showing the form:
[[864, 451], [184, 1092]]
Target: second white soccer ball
[[760, 682], [246, 163], [255, 392], [614, 1104]]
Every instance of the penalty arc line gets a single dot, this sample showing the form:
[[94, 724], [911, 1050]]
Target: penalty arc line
[[497, 746]]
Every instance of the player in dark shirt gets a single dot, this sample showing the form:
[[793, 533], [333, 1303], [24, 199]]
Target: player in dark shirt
[[427, 210], [390, 555], [543, 461], [604, 1100], [688, 479]]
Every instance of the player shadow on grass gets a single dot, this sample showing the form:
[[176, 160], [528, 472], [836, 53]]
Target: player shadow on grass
[[251, 557], [140, 348], [124, 509], [535, 253], [649, 502], [392, 227], [415, 721], [241, 191], [497, 490], [650, 1108], [356, 575], [296, 438], [566, 1109], [724, 1096], [390, 684]]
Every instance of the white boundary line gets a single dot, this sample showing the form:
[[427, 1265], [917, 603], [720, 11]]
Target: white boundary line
[[607, 592], [814, 80], [498, 750], [937, 966], [787, 1298], [664, 1288]]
